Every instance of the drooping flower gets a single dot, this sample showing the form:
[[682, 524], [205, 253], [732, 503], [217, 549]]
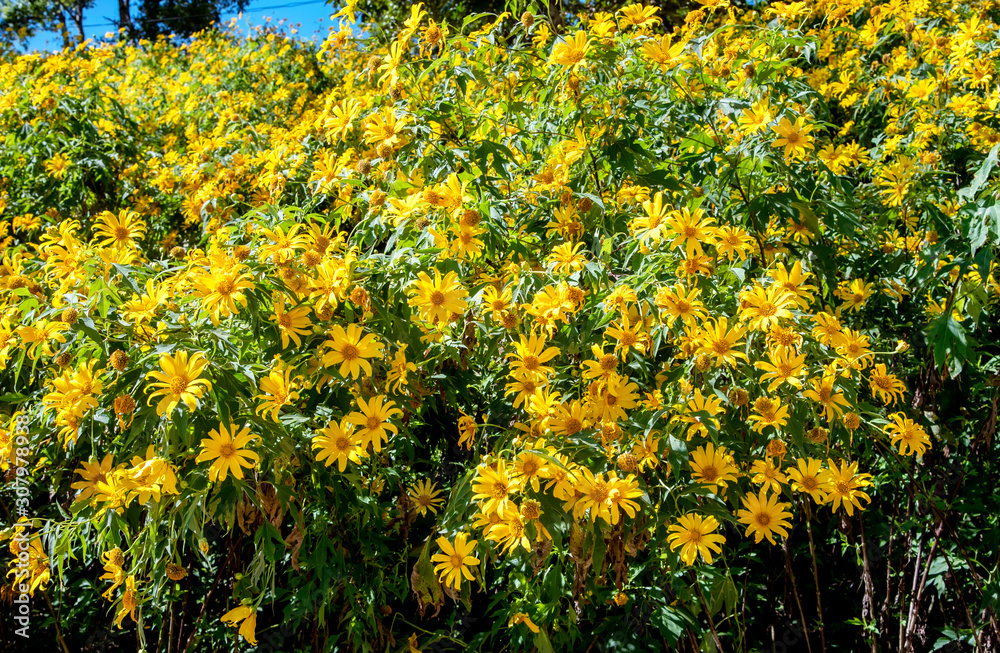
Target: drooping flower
[[246, 616]]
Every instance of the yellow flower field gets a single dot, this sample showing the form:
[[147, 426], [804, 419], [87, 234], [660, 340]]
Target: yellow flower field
[[487, 336]]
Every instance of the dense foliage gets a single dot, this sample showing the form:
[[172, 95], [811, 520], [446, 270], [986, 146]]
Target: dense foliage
[[483, 336]]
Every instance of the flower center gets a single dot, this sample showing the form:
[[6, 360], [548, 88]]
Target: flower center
[[437, 298], [499, 490], [843, 488], [809, 483], [373, 422], [720, 346], [349, 352], [178, 384], [572, 426], [709, 473], [342, 444], [608, 362], [225, 287], [122, 234], [530, 362], [226, 450], [763, 519]]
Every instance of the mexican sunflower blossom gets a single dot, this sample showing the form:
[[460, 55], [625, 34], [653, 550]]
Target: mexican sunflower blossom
[[910, 436], [793, 136], [694, 534], [246, 616], [844, 486], [373, 418], [277, 393], [438, 299], [348, 349], [764, 516], [338, 443], [454, 560], [120, 231], [571, 51], [130, 601], [522, 618], [179, 381], [225, 447]]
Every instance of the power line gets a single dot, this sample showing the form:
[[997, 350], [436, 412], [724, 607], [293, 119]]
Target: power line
[[167, 19]]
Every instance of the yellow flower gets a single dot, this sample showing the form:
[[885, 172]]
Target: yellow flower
[[510, 532], [436, 300], [248, 616], [886, 386], [690, 230], [338, 443], [522, 618], [695, 534], [638, 15], [56, 166], [764, 516], [454, 561], [130, 601], [794, 137], [373, 418], [92, 473], [824, 393], [277, 392], [807, 477], [843, 485], [179, 381], [768, 412], [226, 448], [712, 466], [114, 563], [221, 292], [120, 231], [767, 474], [570, 51], [466, 431], [291, 324], [720, 341], [350, 350], [425, 495], [529, 355], [622, 491], [784, 366], [494, 487], [910, 436]]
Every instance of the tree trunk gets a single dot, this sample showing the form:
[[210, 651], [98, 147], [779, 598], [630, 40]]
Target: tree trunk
[[63, 30], [124, 19]]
